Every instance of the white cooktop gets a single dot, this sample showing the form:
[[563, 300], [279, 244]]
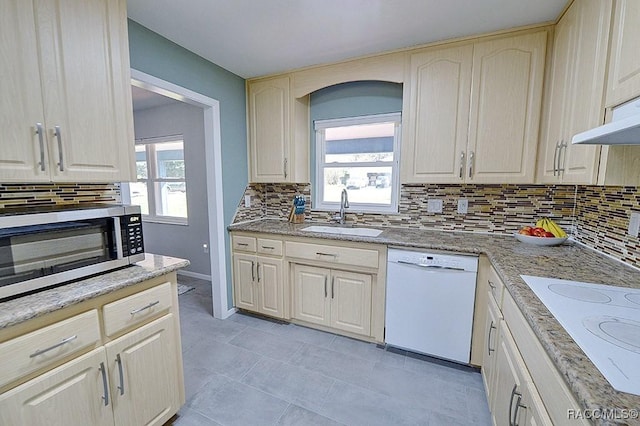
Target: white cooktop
[[603, 320]]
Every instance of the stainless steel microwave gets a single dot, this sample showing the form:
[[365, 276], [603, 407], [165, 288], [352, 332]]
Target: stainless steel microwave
[[51, 246]]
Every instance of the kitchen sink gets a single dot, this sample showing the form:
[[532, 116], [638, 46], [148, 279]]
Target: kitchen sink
[[363, 232]]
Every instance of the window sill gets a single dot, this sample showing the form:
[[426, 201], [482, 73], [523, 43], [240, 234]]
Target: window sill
[[165, 220]]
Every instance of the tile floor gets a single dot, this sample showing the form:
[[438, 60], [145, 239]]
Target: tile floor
[[251, 371]]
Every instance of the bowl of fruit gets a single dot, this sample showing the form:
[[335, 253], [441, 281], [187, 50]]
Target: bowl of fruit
[[545, 233]]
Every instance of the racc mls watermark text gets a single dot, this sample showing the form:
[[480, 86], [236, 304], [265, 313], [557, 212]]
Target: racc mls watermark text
[[603, 414]]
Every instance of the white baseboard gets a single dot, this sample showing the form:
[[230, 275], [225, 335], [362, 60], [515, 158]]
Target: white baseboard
[[229, 313], [194, 275]]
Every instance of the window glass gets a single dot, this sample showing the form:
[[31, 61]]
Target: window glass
[[360, 155], [161, 190]]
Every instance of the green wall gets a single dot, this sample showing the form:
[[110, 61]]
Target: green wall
[[161, 58]]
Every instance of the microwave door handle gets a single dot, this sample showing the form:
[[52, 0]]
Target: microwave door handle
[[117, 229]]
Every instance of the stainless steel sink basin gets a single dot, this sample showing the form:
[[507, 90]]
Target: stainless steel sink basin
[[363, 232]]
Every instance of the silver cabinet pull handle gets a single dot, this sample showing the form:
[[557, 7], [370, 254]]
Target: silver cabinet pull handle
[[40, 134], [471, 155], [325, 286], [514, 393], [253, 272], [268, 247], [57, 345], [555, 159], [242, 244], [120, 373], [258, 271], [150, 305], [461, 172], [105, 384], [58, 135], [333, 279], [562, 146], [284, 167], [491, 328], [326, 254], [491, 284]]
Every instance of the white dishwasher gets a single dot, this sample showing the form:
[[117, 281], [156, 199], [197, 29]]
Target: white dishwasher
[[430, 302]]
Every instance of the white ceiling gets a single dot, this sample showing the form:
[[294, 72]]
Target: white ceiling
[[257, 37]]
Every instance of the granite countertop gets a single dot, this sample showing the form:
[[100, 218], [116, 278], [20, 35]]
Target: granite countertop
[[512, 258], [34, 305]]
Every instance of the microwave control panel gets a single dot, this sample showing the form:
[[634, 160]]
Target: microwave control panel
[[132, 242]]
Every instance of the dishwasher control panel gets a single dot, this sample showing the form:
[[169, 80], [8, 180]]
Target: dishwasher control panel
[[434, 260]]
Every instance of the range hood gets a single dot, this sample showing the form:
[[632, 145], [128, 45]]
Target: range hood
[[624, 128]]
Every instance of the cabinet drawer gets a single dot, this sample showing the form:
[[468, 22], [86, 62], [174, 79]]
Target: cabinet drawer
[[332, 254], [136, 308], [496, 287], [273, 247], [43, 347], [241, 243]]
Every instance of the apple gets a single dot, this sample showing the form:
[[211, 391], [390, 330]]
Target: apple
[[538, 232], [525, 231], [548, 234]]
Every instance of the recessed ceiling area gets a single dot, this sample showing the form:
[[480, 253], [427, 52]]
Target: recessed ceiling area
[[258, 37]]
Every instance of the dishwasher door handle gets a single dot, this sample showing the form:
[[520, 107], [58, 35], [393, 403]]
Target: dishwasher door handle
[[437, 267]]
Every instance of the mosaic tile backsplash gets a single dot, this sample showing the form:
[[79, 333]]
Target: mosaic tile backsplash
[[46, 194], [492, 208]]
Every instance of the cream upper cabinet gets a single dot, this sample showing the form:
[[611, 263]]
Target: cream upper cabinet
[[624, 61], [70, 79], [506, 95], [23, 153], [473, 112], [574, 97], [276, 121], [434, 141], [74, 394]]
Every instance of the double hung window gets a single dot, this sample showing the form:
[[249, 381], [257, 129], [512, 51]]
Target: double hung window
[[361, 155], [161, 189]]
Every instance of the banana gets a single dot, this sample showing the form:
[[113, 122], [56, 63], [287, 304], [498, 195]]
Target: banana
[[556, 229], [550, 226]]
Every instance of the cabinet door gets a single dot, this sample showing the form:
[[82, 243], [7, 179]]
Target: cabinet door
[[144, 366], [21, 102], [351, 302], [435, 141], [269, 131], [310, 294], [72, 394], [558, 98], [87, 89], [593, 19], [624, 61], [506, 94], [270, 287], [244, 275], [510, 382], [536, 414], [493, 322]]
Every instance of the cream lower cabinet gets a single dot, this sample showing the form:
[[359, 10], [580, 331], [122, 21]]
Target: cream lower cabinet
[[492, 328], [144, 381], [258, 280], [134, 378], [516, 400], [66, 104], [75, 393], [333, 298]]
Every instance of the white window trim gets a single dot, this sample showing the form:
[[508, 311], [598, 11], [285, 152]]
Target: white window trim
[[152, 171], [320, 126]]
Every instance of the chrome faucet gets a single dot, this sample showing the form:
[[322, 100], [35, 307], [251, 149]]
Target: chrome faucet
[[344, 204]]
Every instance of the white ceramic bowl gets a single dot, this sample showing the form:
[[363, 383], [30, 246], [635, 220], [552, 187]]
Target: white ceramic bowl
[[540, 241]]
